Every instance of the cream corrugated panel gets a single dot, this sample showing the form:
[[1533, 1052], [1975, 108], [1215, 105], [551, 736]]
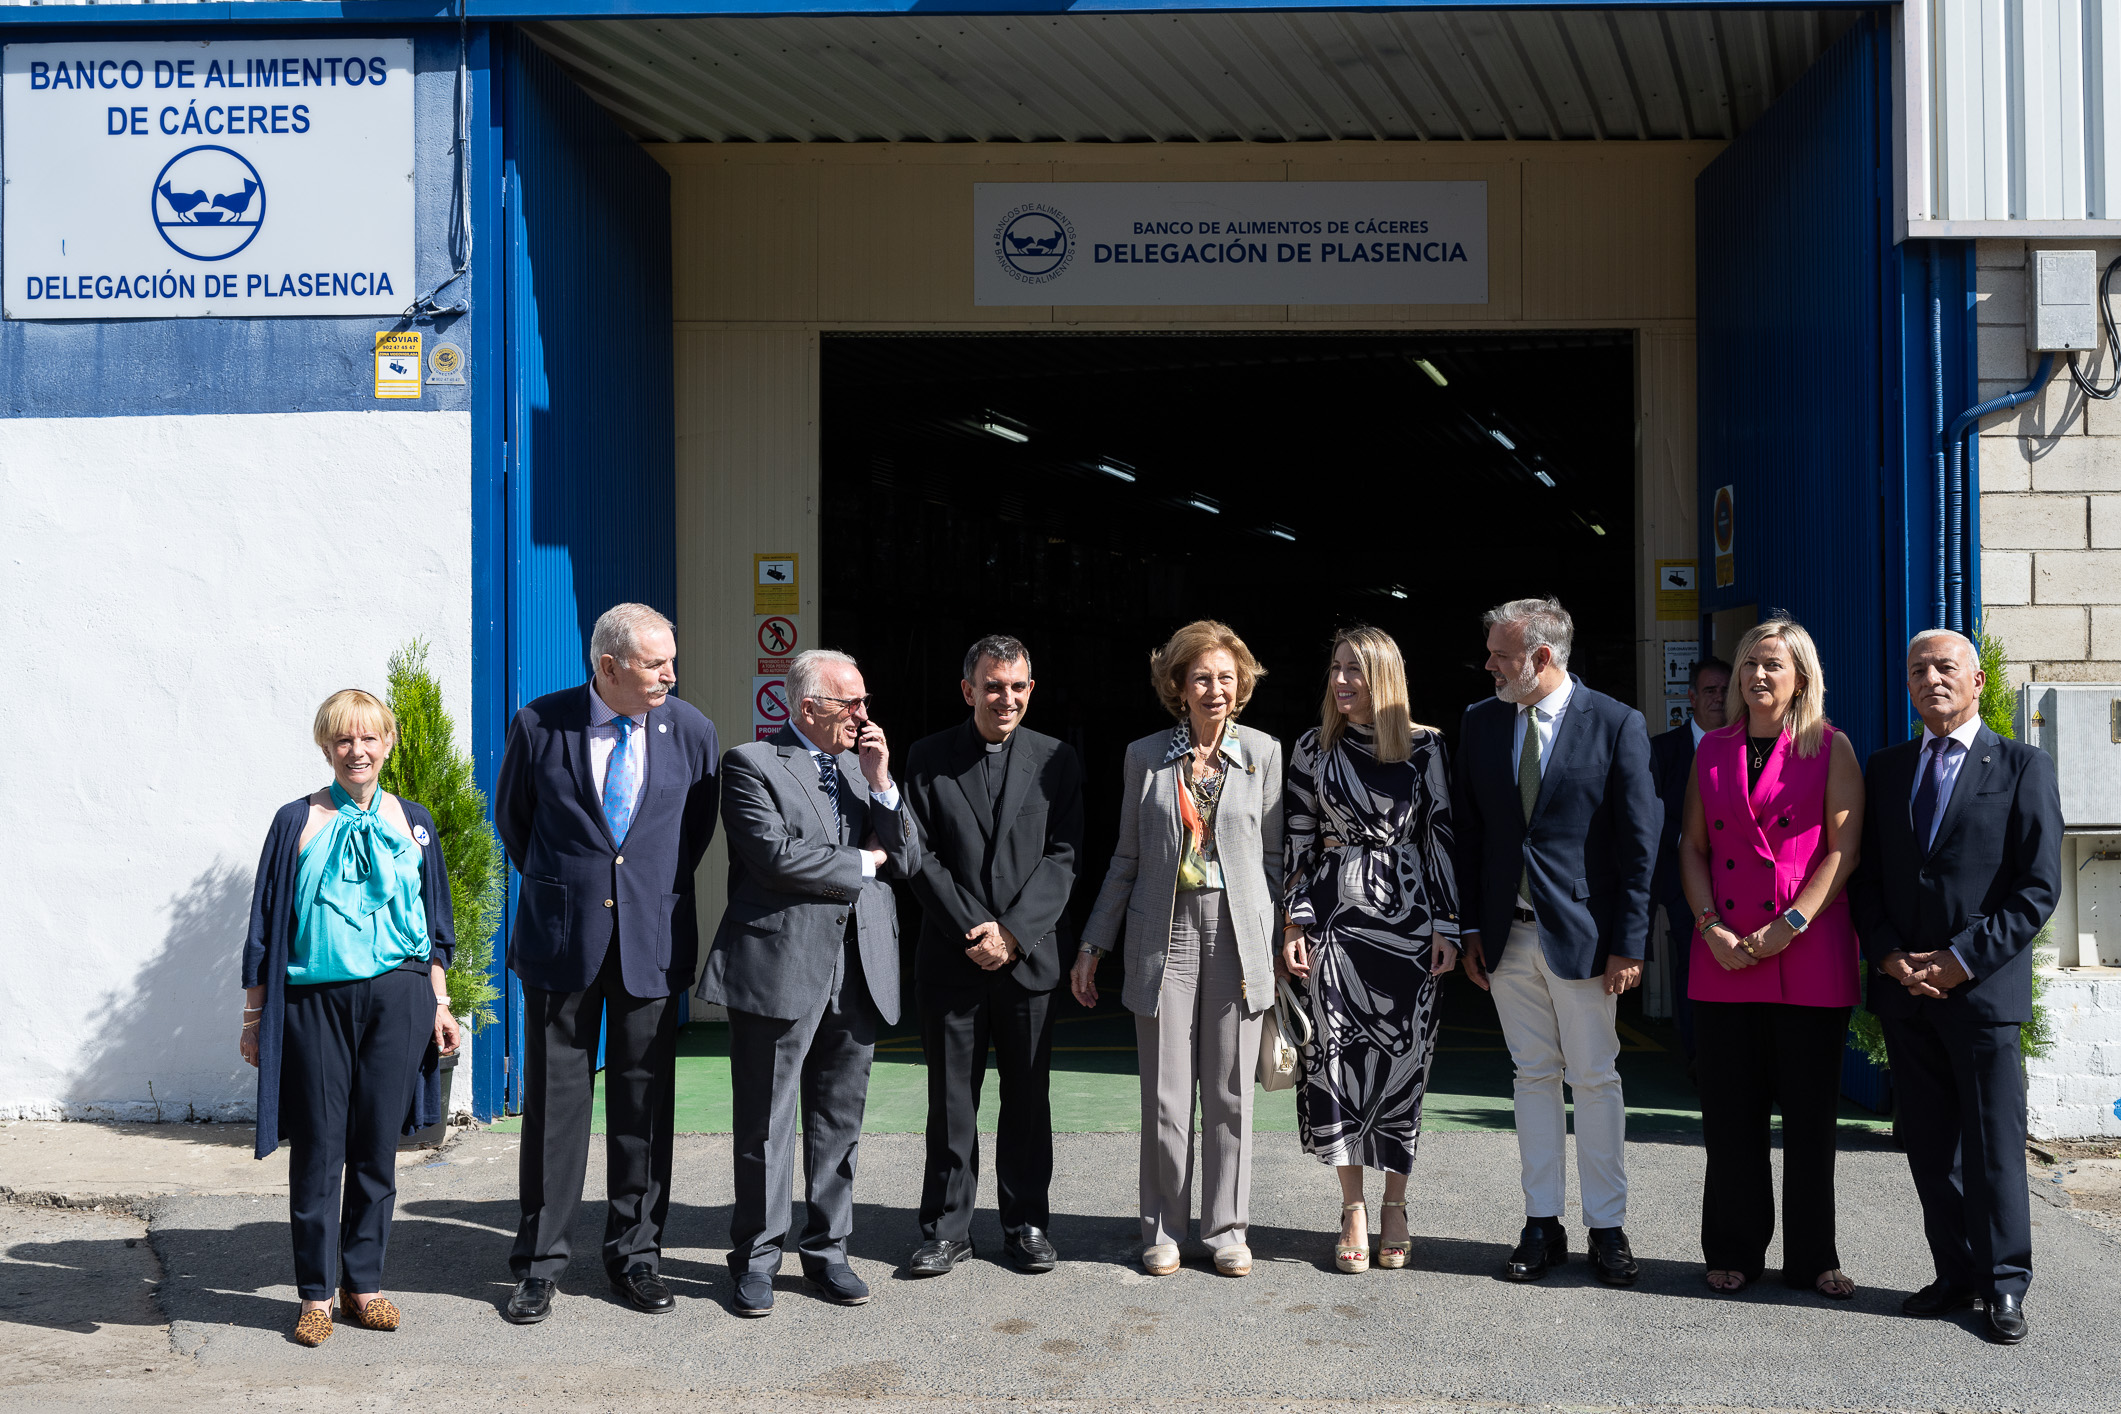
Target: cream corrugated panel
[[747, 476], [2014, 123], [1243, 76]]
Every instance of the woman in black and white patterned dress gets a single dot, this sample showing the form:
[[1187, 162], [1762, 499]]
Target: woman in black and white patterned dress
[[1372, 909]]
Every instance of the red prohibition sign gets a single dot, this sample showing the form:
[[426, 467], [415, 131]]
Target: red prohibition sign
[[777, 636], [772, 701]]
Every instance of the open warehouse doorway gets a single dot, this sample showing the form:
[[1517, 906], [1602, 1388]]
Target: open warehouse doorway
[[1090, 493]]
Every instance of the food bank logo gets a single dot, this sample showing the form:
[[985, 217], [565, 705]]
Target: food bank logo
[[208, 202], [1034, 242]]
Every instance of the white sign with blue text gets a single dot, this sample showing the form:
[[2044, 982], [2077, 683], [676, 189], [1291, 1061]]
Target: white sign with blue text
[[1208, 243], [250, 178]]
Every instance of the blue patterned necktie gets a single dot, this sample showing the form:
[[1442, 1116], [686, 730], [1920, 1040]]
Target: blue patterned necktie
[[1932, 788], [828, 780], [622, 780]]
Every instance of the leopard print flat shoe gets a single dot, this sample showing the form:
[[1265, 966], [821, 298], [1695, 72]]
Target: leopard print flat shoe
[[313, 1327], [377, 1315]]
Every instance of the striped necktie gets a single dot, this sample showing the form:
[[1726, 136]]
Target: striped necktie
[[828, 780]]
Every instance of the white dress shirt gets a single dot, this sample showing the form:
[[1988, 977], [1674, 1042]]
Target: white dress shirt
[[1694, 726], [1550, 709], [1954, 759], [604, 739]]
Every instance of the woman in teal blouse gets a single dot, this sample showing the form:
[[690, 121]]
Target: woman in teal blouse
[[345, 1009]]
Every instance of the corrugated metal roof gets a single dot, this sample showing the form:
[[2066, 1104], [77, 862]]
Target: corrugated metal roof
[[1286, 76]]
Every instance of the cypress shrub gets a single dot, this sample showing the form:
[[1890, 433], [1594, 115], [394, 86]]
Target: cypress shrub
[[427, 767]]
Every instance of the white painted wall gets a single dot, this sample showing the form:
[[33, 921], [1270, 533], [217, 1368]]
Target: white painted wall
[[177, 595], [2074, 1091]]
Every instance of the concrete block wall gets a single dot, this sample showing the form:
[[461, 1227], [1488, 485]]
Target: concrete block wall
[[2074, 1091], [2050, 491]]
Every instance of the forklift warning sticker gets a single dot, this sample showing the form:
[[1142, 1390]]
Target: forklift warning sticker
[[1213, 243]]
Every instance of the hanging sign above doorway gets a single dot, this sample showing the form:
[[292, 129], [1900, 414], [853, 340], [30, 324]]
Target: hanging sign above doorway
[[172, 179], [1209, 243]]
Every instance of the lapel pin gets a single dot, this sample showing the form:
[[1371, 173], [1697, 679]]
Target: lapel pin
[[662, 726]]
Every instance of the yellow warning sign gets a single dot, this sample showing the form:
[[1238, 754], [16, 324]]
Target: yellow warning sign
[[774, 585], [398, 365], [1678, 596]]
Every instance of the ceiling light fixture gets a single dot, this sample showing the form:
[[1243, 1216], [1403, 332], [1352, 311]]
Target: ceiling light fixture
[[1004, 430], [1542, 476], [1435, 375], [1500, 437], [1117, 469], [1396, 592], [1202, 503], [1282, 532]]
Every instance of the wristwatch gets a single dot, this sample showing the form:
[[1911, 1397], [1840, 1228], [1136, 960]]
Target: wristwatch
[[1797, 921]]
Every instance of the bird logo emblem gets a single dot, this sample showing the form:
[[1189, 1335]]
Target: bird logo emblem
[[208, 202], [1035, 243]]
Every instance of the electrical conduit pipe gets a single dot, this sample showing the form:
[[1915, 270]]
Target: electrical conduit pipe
[[1955, 503]]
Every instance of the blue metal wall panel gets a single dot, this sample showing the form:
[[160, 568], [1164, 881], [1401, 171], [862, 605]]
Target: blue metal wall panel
[[592, 454], [489, 519], [1793, 377]]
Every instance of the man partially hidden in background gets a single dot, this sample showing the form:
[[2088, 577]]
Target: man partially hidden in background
[[1672, 763], [1000, 809]]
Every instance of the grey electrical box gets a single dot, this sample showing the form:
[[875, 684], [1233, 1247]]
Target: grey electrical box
[[2061, 301], [2079, 724]]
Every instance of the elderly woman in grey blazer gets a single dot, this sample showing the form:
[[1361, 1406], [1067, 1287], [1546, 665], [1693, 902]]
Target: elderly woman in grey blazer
[[1195, 880]]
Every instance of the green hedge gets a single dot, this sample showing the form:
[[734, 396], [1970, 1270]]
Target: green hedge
[[426, 767]]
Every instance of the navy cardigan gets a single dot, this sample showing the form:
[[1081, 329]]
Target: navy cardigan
[[272, 935]]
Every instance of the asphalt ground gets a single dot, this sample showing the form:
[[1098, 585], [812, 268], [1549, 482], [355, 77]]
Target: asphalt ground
[[1096, 1334]]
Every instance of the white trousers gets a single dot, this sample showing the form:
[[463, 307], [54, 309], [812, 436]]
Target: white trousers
[[1559, 1030]]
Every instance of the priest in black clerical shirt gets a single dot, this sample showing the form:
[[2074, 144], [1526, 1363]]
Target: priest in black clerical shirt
[[1001, 814]]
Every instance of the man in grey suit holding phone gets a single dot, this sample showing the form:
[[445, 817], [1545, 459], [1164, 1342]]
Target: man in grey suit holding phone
[[806, 961]]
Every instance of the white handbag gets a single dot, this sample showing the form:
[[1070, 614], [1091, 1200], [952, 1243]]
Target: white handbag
[[1283, 1036]]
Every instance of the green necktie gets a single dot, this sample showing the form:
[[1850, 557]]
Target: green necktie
[[1528, 787]]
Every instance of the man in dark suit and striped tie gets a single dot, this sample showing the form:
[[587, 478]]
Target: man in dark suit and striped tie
[[1962, 863]]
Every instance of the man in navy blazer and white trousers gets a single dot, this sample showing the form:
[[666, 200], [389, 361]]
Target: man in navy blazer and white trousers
[[1962, 864], [1556, 817], [605, 803], [806, 960]]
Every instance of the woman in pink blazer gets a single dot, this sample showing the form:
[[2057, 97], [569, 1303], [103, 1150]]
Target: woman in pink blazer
[[1773, 818]]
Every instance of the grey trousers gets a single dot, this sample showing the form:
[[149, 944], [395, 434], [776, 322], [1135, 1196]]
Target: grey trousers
[[1201, 1038], [818, 1064]]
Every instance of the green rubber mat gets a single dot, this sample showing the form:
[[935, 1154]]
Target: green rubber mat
[[1096, 1088]]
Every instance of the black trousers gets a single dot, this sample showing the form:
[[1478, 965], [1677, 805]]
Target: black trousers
[[349, 1072], [1681, 936], [1756, 1056], [640, 1102], [1961, 1097], [958, 1024], [815, 1067]]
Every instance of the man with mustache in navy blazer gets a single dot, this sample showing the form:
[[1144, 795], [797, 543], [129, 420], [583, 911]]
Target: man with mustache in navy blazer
[[1962, 864]]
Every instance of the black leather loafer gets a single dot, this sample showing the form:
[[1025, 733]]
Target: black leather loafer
[[639, 1287], [2006, 1319], [1939, 1298], [530, 1303], [1542, 1245], [937, 1256], [1612, 1260], [754, 1294], [1030, 1251], [838, 1284]]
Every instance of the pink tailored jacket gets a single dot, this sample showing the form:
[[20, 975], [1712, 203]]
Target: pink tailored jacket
[[1764, 844]]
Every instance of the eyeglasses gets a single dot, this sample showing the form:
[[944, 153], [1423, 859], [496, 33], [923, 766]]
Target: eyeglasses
[[862, 703]]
